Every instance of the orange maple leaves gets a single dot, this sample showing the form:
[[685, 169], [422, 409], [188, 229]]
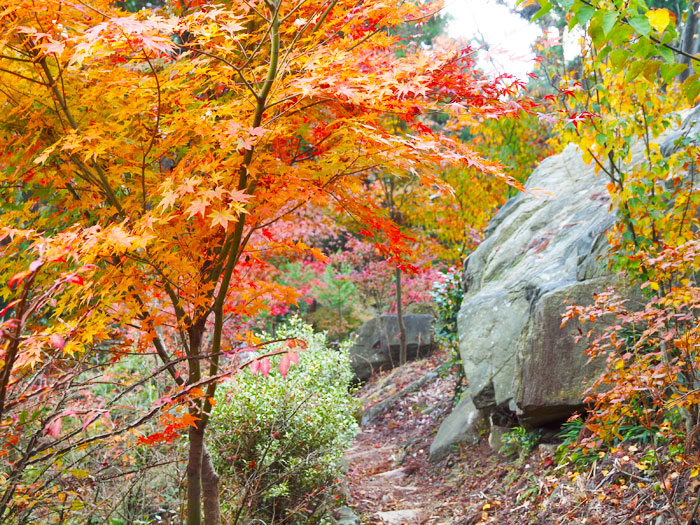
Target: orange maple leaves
[[160, 149]]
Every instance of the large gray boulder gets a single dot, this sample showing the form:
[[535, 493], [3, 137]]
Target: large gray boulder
[[540, 250], [545, 248], [376, 347]]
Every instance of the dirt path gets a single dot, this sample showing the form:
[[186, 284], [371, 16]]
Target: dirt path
[[390, 480]]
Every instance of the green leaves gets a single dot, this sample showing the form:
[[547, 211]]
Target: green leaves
[[619, 22], [584, 14], [618, 58], [667, 54], [266, 429], [640, 24], [609, 20], [546, 8], [691, 88], [629, 37]]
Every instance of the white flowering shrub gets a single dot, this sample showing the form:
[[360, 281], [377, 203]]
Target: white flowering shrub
[[277, 442]]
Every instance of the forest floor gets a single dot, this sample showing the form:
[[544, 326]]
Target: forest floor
[[391, 481]]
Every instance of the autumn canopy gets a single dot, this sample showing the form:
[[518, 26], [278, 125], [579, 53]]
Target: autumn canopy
[[145, 160]]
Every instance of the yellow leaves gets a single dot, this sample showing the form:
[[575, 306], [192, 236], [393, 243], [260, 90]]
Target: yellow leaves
[[119, 239], [188, 185], [232, 27], [46, 153], [212, 24], [651, 284], [30, 355], [80, 473], [89, 144], [135, 34], [168, 200], [588, 159], [203, 198], [197, 207], [659, 19], [72, 141], [222, 218]]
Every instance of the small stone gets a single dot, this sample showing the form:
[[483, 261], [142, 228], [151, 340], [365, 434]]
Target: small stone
[[346, 516], [395, 474], [461, 426], [547, 450], [496, 437], [401, 517]]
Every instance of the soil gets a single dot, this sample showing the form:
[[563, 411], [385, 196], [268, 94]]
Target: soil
[[391, 481]]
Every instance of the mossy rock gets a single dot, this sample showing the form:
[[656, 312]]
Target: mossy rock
[[420, 308]]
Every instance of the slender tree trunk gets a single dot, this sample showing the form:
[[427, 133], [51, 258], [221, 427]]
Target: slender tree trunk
[[210, 487], [196, 434], [194, 476], [689, 38], [202, 483], [403, 349], [695, 48]]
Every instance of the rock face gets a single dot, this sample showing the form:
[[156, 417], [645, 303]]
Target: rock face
[[541, 250], [463, 425], [552, 370], [376, 346]]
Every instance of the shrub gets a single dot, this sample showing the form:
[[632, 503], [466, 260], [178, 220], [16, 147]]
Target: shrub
[[278, 442], [448, 294], [338, 302], [570, 451], [519, 442]]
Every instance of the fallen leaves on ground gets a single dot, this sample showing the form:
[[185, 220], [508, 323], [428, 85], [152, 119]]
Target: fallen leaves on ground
[[391, 481]]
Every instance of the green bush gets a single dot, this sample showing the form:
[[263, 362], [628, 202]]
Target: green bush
[[519, 442], [338, 303], [448, 299], [277, 443]]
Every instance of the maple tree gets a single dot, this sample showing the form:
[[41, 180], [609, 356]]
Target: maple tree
[[153, 152]]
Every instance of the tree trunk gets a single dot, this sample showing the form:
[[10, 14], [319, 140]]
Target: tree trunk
[[403, 350], [194, 476], [695, 48], [210, 487], [197, 451], [689, 39]]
